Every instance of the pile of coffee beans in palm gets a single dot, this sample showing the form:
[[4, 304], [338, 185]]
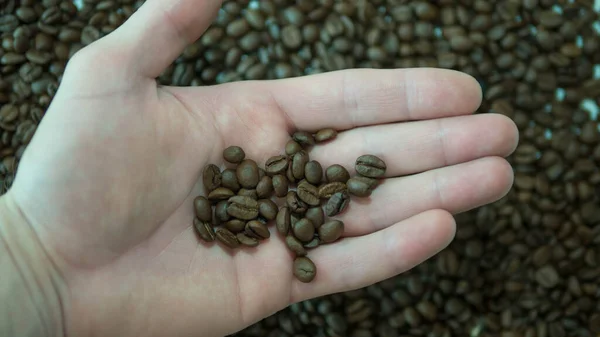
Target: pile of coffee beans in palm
[[525, 266], [240, 198]]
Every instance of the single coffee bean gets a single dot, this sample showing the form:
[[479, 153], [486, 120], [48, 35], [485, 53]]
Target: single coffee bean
[[358, 187], [304, 269], [370, 166], [371, 182], [261, 173], [264, 189], [303, 138], [251, 193], [327, 190], [247, 241], [234, 154], [257, 229], [291, 148], [289, 174], [314, 243], [283, 220], [235, 225], [337, 173], [205, 230], [242, 207], [220, 193], [280, 185], [295, 246], [276, 165], [308, 193], [304, 230], [299, 164], [227, 238], [316, 216], [229, 180], [211, 177], [337, 203], [247, 173], [313, 172], [325, 135], [267, 209], [331, 231], [295, 204], [203, 209], [221, 214]]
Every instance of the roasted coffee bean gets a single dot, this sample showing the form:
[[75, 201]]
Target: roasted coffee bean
[[295, 245], [242, 207], [276, 165], [291, 148], [299, 161], [246, 240], [227, 238], [303, 138], [280, 185], [316, 216], [370, 166], [235, 225], [264, 189], [337, 203], [359, 187], [229, 180], [267, 209], [331, 231], [204, 230], [257, 229], [211, 177], [313, 172], [283, 220], [220, 193], [247, 173], [327, 190], [304, 269], [234, 154], [303, 230], [295, 204], [250, 193], [221, 214], [325, 135], [308, 193], [312, 244], [203, 209], [337, 173], [289, 174]]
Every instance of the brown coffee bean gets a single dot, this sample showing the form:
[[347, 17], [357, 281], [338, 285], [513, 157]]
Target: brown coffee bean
[[304, 269], [337, 203], [303, 230], [257, 229], [291, 148], [295, 245], [220, 193], [235, 225], [359, 187], [299, 161], [547, 276], [316, 216], [246, 240], [264, 189], [237, 28], [313, 172], [12, 59], [289, 174], [243, 207], [308, 193], [204, 230], [370, 166], [280, 185], [276, 165], [295, 204], [211, 177], [229, 180], [291, 36], [303, 138], [314, 243], [221, 214], [227, 238], [267, 209], [234, 154], [331, 231], [247, 173], [283, 221], [327, 190], [325, 135], [250, 193], [337, 173], [203, 209]]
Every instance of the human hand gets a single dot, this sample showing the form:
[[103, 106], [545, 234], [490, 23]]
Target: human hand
[[108, 181]]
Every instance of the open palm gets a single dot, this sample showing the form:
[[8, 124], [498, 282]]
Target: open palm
[[109, 178]]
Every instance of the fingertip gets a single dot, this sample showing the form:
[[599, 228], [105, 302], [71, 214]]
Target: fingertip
[[440, 225], [500, 177]]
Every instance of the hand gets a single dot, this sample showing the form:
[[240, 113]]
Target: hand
[[108, 181]]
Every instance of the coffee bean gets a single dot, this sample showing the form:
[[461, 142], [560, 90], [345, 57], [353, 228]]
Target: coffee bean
[[295, 204], [203, 209], [246, 240], [331, 231], [328, 190], [247, 173], [229, 180], [303, 230], [204, 230], [314, 243], [308, 193], [283, 220], [264, 189], [304, 269], [276, 165], [220, 193], [547, 276], [325, 135], [370, 166], [289, 174], [316, 216], [358, 187], [267, 209], [303, 138], [242, 207], [12, 59], [337, 203], [235, 225], [234, 154], [291, 148], [295, 246], [313, 172], [257, 229], [211, 177], [227, 238], [299, 161], [280, 185], [337, 173]]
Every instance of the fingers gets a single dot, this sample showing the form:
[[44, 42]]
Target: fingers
[[454, 189], [358, 262], [159, 31], [359, 97], [414, 147]]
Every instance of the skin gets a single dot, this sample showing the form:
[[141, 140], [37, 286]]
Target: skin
[[103, 200]]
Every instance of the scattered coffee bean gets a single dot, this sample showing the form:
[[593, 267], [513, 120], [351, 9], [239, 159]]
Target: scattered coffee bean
[[257, 229], [370, 166], [308, 193], [204, 230], [203, 209], [337, 173], [246, 240], [276, 165], [359, 187], [234, 154], [283, 220], [243, 208], [312, 244], [267, 209], [291, 148], [324, 135], [295, 204], [229, 180], [316, 216], [280, 185], [221, 214], [331, 230], [328, 190], [221, 193], [227, 238], [304, 269], [247, 173], [295, 245], [235, 225], [264, 189], [299, 161], [313, 172], [250, 193], [211, 177], [303, 138], [303, 230]]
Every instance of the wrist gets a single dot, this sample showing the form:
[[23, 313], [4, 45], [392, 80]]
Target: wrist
[[32, 288]]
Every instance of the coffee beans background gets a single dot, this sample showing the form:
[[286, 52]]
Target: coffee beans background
[[527, 265]]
